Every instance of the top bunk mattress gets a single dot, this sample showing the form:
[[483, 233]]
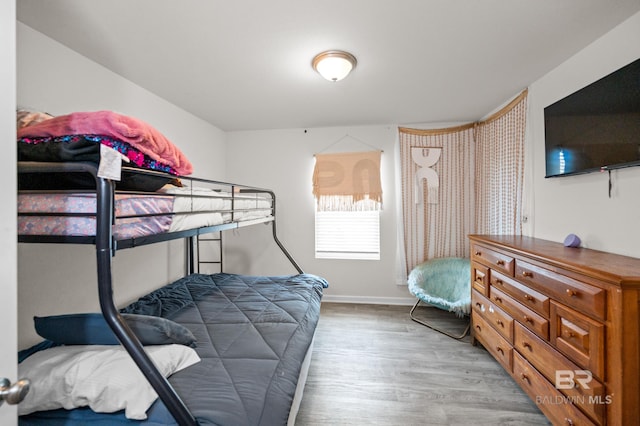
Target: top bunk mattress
[[137, 214]]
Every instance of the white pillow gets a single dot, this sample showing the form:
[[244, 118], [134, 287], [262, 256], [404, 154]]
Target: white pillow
[[103, 377]]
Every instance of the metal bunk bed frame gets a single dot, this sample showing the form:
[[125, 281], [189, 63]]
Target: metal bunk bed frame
[[106, 247]]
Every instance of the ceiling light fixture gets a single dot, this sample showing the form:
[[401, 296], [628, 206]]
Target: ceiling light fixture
[[334, 65]]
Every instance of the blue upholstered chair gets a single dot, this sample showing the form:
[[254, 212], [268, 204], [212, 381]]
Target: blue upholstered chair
[[444, 283]]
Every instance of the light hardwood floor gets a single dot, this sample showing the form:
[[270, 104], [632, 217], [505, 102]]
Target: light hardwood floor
[[373, 365]]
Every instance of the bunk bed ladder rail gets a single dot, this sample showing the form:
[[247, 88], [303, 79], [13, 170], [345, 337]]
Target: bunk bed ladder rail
[[199, 242], [105, 190]]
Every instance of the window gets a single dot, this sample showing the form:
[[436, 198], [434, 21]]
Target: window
[[348, 235], [348, 194]]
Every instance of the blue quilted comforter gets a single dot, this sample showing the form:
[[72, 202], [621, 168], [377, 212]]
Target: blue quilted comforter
[[253, 333]]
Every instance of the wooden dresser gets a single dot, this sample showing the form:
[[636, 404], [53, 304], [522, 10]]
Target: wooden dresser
[[564, 322]]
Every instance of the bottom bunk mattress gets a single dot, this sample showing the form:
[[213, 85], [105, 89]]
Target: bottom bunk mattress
[[253, 334]]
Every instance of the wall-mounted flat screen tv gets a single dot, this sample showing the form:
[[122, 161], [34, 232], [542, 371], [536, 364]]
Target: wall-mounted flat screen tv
[[596, 128]]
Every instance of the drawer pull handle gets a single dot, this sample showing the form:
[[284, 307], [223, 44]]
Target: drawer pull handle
[[525, 378], [500, 262], [527, 345], [499, 282], [500, 323], [569, 422], [478, 253], [527, 274], [479, 305], [529, 298], [528, 319], [571, 334], [572, 293], [497, 299], [479, 328], [499, 349]]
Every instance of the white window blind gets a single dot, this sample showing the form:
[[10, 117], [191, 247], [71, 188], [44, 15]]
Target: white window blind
[[348, 235]]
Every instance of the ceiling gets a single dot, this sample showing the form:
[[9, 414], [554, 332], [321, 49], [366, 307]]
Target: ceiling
[[246, 64]]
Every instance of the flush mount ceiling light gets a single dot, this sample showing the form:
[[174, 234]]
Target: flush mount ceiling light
[[334, 65]]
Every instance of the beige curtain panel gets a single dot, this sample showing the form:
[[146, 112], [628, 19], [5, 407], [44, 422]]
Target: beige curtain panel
[[437, 187], [499, 170], [348, 181], [475, 184]]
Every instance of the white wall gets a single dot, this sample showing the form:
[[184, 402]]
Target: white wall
[[57, 279], [283, 161], [581, 204], [8, 274]]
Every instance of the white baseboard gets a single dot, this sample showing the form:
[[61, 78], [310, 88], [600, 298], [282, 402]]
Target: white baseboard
[[369, 300]]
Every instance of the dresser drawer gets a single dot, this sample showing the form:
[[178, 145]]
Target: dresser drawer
[[493, 315], [553, 404], [525, 295], [493, 342], [581, 296], [579, 337], [587, 393], [520, 313], [493, 259], [480, 278]]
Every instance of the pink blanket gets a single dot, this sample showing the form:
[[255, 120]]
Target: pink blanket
[[135, 132]]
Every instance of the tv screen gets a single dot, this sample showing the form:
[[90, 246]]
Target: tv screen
[[596, 128]]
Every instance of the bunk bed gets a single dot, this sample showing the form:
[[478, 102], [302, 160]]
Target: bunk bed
[[249, 337]]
